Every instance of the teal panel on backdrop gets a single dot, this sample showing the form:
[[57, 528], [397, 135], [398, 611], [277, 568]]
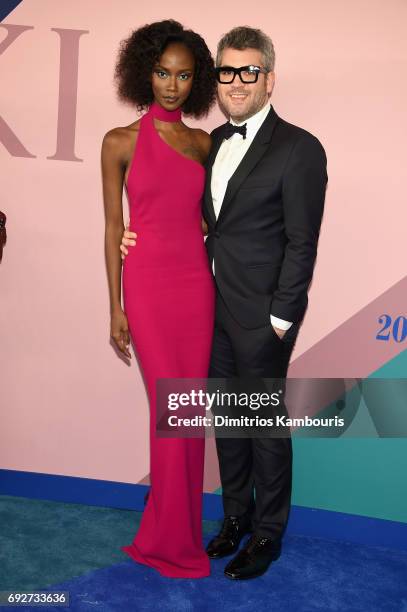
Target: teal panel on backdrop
[[357, 476], [395, 368], [365, 476]]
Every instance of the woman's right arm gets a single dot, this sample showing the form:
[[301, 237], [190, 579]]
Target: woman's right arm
[[113, 170]]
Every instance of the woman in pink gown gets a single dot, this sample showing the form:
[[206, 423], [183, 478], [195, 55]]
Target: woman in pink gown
[[168, 288]]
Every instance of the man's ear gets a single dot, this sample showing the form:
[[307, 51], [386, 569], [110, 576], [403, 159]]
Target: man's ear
[[271, 77]]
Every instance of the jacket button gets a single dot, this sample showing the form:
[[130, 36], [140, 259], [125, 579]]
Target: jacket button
[[217, 235]]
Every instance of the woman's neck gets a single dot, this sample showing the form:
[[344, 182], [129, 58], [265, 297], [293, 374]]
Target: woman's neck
[[160, 113]]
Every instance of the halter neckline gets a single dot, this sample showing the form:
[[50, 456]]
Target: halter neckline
[[160, 113]]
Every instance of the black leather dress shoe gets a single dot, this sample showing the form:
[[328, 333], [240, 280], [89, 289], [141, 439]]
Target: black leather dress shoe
[[228, 539], [254, 558]]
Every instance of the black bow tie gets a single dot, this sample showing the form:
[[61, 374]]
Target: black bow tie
[[233, 129]]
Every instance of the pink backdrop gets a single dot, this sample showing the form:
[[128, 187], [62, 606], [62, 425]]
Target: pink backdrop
[[69, 404]]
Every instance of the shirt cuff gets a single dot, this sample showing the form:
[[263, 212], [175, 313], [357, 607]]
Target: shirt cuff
[[280, 323]]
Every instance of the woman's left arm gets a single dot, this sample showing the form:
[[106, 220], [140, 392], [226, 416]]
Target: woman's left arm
[[205, 143]]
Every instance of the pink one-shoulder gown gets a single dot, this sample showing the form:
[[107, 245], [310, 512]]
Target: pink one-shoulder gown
[[169, 294]]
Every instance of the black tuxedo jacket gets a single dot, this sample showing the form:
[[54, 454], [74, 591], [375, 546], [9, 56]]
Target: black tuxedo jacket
[[264, 241]]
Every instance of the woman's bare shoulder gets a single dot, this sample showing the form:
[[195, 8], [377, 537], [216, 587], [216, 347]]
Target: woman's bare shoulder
[[118, 134], [118, 140]]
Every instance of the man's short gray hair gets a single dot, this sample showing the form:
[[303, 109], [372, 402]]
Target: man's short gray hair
[[244, 37]]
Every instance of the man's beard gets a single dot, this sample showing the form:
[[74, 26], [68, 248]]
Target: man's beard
[[258, 102]]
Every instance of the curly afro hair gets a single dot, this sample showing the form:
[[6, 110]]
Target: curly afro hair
[[143, 48]]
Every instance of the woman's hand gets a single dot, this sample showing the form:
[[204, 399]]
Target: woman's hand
[[119, 331], [3, 234], [128, 239], [204, 227]]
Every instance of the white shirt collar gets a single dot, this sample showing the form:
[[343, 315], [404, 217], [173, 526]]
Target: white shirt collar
[[254, 122]]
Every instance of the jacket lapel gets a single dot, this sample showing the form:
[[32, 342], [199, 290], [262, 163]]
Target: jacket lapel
[[253, 155], [209, 163]]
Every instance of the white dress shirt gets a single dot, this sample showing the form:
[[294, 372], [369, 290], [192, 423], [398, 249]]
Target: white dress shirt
[[230, 154]]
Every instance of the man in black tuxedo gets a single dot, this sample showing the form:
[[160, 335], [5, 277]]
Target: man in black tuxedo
[[263, 206]]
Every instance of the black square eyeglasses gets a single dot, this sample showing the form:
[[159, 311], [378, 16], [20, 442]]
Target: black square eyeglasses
[[247, 74]]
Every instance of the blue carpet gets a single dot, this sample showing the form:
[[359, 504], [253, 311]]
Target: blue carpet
[[311, 575], [47, 545]]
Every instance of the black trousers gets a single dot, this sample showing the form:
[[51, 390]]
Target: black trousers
[[256, 473]]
